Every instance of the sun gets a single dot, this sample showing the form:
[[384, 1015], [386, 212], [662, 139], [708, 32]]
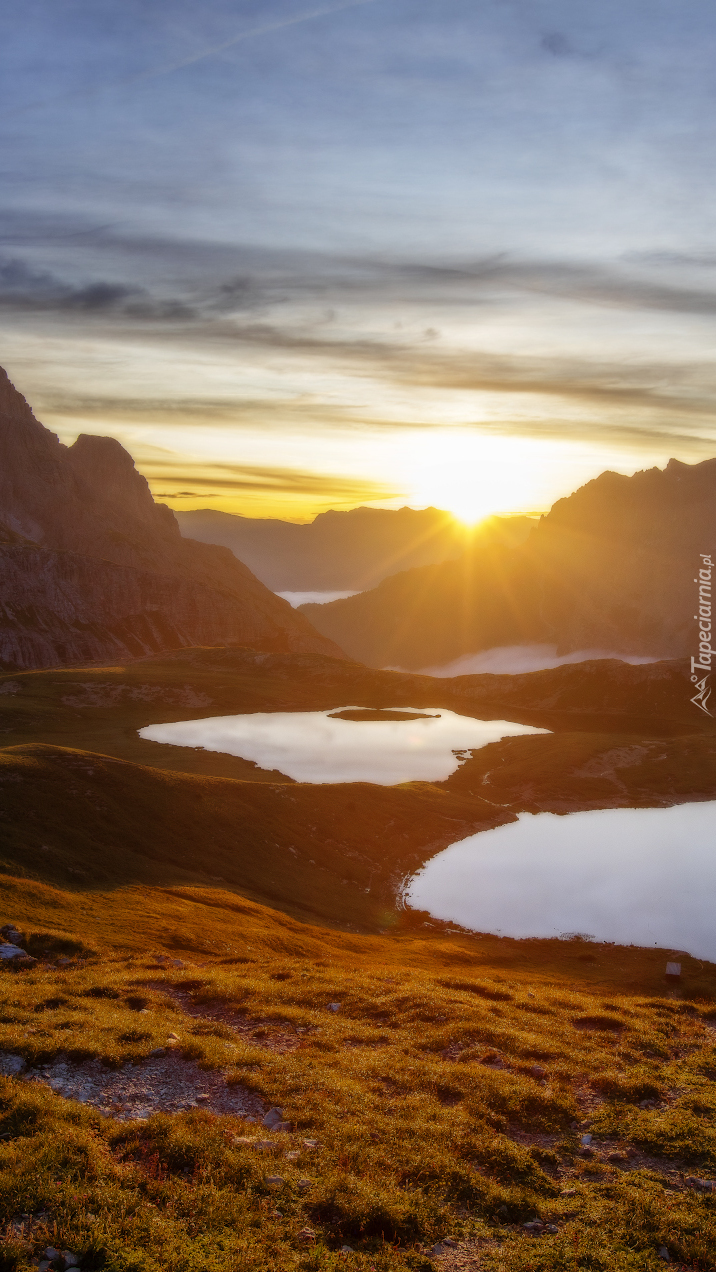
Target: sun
[[473, 476]]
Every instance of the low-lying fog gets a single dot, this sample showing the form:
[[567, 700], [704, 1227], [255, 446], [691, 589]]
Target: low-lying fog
[[313, 598], [421, 744], [640, 876], [511, 660]]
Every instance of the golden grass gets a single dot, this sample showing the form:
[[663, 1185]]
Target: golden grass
[[421, 1091]]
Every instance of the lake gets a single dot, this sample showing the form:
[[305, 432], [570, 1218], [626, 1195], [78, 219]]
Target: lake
[[641, 876], [345, 744]]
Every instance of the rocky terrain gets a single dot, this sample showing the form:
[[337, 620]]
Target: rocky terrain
[[91, 569], [612, 567]]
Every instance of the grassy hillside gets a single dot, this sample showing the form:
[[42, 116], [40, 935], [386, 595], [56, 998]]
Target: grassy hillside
[[193, 919], [446, 1097]]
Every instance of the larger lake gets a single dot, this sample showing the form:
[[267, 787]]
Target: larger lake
[[641, 876], [407, 744]]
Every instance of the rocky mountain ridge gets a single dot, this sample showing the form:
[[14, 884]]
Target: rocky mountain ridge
[[92, 569]]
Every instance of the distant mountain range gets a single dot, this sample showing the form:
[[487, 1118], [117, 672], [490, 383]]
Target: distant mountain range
[[91, 569], [610, 567], [343, 551]]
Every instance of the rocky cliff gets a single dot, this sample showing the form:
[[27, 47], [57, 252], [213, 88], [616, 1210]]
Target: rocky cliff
[[91, 568], [611, 567]]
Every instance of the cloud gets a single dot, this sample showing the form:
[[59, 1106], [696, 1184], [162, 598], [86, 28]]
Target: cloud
[[557, 44], [295, 317], [26, 289], [256, 479]]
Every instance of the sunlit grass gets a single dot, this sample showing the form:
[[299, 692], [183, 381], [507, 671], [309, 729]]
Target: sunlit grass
[[421, 1090]]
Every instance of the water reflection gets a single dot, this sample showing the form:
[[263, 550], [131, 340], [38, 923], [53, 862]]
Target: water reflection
[[348, 744], [642, 876]]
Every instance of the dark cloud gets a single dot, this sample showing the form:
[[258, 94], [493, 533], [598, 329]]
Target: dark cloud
[[219, 278], [23, 288], [557, 44]]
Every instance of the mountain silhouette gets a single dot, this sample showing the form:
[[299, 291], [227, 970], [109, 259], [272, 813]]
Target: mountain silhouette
[[341, 551], [610, 567], [92, 569]]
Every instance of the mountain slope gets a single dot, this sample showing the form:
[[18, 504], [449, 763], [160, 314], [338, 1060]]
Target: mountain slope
[[610, 567], [92, 568], [342, 550]]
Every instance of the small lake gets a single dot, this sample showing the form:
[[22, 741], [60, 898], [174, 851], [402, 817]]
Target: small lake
[[639, 876], [345, 744]]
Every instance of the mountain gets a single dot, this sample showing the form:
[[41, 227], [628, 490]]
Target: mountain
[[91, 569], [610, 567], [339, 551]]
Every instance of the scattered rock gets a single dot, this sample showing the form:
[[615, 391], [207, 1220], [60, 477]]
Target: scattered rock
[[12, 951], [203, 1097], [304, 1184], [310, 1143], [346, 1249], [306, 1235], [586, 1139], [12, 934], [334, 1006], [618, 1157], [701, 1185], [274, 1119], [664, 1254], [166, 1083], [552, 1229], [436, 1250], [292, 1157], [450, 1243], [275, 1179], [568, 1192], [71, 1260], [11, 1065], [535, 1226], [52, 1253], [537, 1071]]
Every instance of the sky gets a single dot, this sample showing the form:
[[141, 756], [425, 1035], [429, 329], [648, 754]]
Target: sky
[[298, 256]]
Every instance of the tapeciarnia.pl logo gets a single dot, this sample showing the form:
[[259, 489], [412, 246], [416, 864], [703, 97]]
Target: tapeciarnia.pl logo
[[703, 618]]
